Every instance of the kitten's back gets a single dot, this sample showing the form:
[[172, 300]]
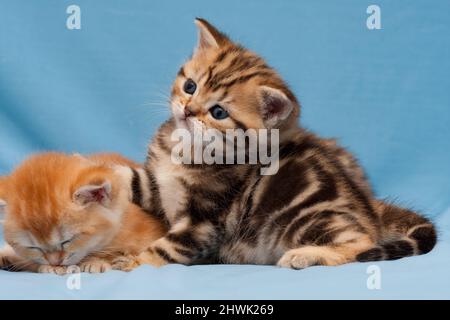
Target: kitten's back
[[114, 159]]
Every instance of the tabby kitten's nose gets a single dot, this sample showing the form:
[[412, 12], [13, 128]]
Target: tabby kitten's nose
[[188, 111]]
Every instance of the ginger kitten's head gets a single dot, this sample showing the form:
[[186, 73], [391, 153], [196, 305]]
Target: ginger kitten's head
[[224, 86], [60, 208]]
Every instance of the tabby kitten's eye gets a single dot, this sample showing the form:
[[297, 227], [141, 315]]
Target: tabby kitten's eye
[[189, 86], [35, 248], [218, 112]]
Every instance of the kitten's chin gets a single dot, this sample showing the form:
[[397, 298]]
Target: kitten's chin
[[181, 123], [187, 124]]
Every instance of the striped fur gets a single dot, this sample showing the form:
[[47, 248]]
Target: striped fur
[[318, 209]]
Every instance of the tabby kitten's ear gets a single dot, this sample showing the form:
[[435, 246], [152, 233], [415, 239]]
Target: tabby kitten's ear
[[275, 106], [90, 194], [208, 36]]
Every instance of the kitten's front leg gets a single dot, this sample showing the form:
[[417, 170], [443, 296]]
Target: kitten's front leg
[[183, 244], [7, 257], [90, 264], [59, 270], [95, 265], [150, 256], [131, 262]]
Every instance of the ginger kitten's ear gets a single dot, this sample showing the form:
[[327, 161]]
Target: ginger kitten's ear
[[275, 106], [90, 194], [208, 36]]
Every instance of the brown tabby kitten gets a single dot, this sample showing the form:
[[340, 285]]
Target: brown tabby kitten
[[318, 209]]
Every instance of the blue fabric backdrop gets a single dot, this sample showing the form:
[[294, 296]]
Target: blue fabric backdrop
[[385, 93]]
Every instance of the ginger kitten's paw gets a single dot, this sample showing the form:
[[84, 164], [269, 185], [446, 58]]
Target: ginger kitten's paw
[[95, 266], [6, 262], [308, 256], [59, 270], [125, 263], [151, 258], [7, 256], [130, 262], [10, 261]]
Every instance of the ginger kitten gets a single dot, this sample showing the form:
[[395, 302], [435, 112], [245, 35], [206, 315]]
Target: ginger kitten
[[64, 210], [318, 209]]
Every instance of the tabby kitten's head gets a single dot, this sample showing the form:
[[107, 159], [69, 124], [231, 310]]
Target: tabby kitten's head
[[60, 208], [225, 86]]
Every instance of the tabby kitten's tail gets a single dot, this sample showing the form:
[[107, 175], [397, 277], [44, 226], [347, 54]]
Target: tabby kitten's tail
[[405, 233]]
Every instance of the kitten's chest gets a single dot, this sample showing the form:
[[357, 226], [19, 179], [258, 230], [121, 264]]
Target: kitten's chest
[[172, 194]]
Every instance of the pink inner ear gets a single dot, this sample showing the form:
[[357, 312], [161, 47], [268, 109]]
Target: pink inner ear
[[274, 106], [90, 194], [98, 195]]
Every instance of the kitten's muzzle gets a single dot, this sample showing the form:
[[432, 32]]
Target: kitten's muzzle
[[188, 112], [54, 258]]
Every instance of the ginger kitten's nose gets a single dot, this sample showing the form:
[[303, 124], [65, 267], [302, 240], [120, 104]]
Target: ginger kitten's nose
[[54, 258]]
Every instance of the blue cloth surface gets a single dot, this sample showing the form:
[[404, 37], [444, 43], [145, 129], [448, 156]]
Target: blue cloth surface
[[420, 277], [384, 93]]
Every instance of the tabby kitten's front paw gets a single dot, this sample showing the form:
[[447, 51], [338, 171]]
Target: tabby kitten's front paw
[[308, 256], [95, 266], [59, 270], [295, 260]]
